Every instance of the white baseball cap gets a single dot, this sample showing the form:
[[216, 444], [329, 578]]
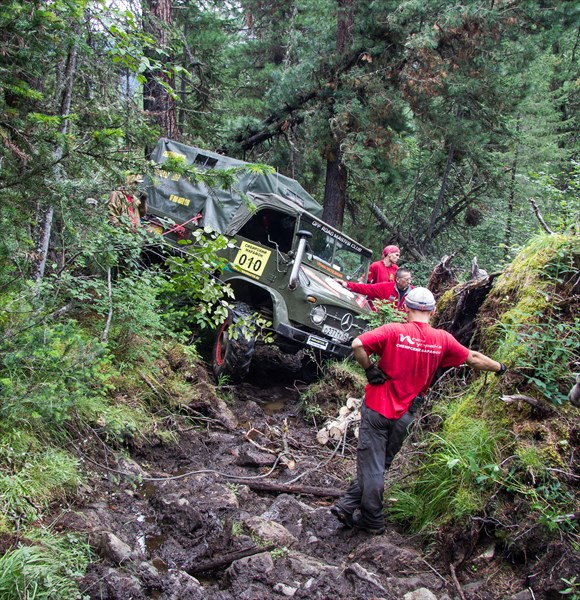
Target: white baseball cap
[[420, 298]]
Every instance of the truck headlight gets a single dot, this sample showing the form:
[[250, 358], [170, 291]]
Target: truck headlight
[[318, 315]]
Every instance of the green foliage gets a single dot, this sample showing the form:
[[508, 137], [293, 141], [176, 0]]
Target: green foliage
[[193, 294], [237, 529], [253, 326], [48, 568], [546, 350], [278, 553], [535, 334], [476, 463], [562, 196], [46, 371], [442, 111], [321, 400], [384, 313], [310, 408], [117, 424], [213, 178], [30, 481], [52, 374], [448, 486], [573, 590]]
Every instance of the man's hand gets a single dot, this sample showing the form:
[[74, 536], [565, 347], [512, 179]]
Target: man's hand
[[375, 376], [502, 370]]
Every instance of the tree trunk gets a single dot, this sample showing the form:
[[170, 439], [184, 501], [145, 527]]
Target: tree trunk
[[442, 277], [440, 196], [458, 317], [46, 218], [42, 245], [335, 189], [336, 171], [455, 209], [511, 197], [344, 25], [225, 560], [158, 102]]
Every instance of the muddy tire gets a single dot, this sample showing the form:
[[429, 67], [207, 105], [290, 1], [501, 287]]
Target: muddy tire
[[232, 357]]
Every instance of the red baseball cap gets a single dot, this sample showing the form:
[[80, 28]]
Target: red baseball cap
[[389, 249]]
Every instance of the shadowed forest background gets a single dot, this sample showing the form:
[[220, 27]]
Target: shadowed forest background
[[446, 128], [429, 125]]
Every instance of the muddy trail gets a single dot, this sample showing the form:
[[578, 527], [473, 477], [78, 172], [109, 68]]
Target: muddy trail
[[204, 519]]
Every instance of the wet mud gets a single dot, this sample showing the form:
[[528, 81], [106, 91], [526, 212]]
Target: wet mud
[[185, 521]]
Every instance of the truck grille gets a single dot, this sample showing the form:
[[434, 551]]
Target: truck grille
[[345, 320]]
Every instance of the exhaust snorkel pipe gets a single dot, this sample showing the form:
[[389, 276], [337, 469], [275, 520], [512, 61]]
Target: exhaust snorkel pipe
[[302, 235]]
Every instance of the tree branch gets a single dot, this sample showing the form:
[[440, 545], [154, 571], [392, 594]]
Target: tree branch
[[400, 239], [456, 209], [539, 216], [226, 559], [326, 76], [440, 195]]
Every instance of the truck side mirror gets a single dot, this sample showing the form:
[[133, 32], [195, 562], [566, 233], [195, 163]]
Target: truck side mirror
[[302, 236]]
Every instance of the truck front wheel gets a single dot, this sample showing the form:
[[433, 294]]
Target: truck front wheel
[[233, 348]]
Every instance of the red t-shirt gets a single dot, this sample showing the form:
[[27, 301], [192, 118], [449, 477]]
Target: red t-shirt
[[380, 291], [410, 353], [378, 272]]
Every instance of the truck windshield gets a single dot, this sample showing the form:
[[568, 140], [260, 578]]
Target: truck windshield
[[333, 251]]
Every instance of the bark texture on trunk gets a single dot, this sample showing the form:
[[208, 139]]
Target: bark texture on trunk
[[336, 171], [158, 102], [47, 214], [335, 190]]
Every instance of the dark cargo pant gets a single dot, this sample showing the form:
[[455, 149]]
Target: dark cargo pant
[[379, 440]]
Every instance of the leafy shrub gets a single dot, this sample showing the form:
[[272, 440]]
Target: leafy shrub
[[384, 313], [48, 369], [193, 294], [48, 569]]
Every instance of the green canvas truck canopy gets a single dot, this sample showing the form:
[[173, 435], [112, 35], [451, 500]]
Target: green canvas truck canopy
[[176, 197]]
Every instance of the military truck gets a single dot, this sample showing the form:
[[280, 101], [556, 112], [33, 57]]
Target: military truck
[[284, 262]]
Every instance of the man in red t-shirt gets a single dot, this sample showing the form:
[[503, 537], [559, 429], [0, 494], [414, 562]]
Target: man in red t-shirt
[[409, 354], [385, 269], [394, 292]]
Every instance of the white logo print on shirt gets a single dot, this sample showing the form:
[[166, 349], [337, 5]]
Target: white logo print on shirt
[[418, 345]]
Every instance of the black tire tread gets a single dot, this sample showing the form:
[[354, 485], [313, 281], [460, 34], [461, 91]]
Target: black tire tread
[[239, 351]]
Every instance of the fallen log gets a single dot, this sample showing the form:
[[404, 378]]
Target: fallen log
[[517, 397], [336, 429], [281, 488], [227, 559]]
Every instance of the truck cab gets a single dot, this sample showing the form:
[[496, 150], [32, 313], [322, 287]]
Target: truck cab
[[283, 263]]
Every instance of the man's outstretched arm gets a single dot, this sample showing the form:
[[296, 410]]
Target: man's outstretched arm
[[481, 362]]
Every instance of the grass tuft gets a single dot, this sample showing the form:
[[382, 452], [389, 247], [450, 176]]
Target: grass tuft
[[45, 570]]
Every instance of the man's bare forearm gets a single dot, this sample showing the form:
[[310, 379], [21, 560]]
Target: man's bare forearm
[[481, 362], [360, 354]]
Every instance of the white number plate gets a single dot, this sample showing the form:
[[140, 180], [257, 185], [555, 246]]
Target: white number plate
[[335, 334], [317, 342]]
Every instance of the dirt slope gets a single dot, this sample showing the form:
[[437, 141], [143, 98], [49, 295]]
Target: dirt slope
[[179, 526]]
